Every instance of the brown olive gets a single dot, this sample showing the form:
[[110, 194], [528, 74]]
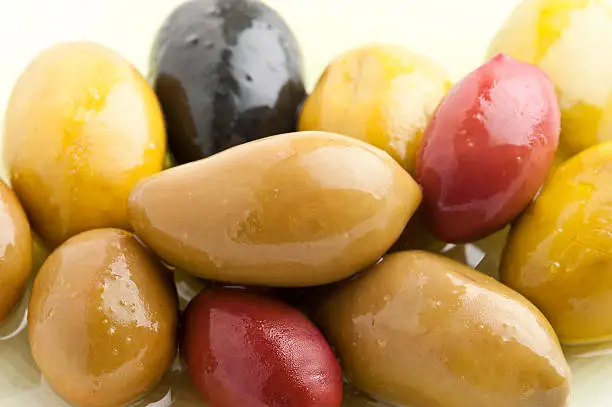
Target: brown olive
[[15, 251], [297, 209], [421, 329], [103, 319]]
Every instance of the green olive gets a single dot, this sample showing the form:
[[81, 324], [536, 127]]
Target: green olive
[[82, 127], [15, 251], [103, 319], [382, 94], [423, 330], [558, 253], [297, 209]]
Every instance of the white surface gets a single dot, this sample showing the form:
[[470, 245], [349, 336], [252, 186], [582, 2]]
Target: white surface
[[453, 32]]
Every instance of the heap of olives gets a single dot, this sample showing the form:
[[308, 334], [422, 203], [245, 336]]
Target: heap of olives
[[311, 219]]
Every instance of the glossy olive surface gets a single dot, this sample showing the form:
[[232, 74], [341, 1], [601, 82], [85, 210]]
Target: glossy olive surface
[[103, 319], [488, 149], [297, 209], [15, 251], [82, 127], [571, 40], [382, 94], [559, 252], [226, 72], [249, 350], [422, 330]]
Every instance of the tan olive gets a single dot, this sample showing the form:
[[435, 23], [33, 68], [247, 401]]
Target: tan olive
[[15, 251], [297, 209], [103, 319], [82, 127], [424, 330]]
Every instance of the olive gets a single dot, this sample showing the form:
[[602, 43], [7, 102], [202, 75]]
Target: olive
[[558, 252], [245, 349], [15, 251], [382, 94], [103, 319], [422, 330], [296, 209], [488, 149], [570, 40], [82, 127], [226, 72]]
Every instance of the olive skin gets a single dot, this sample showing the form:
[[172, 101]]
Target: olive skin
[[571, 41], [15, 251], [226, 72], [488, 149], [82, 127], [382, 94], [103, 319], [245, 349], [558, 250], [420, 329], [292, 210]]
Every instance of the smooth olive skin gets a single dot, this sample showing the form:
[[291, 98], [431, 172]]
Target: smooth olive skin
[[420, 329], [15, 251], [298, 209], [559, 251], [246, 349], [488, 149], [382, 94], [82, 127], [226, 72], [103, 319]]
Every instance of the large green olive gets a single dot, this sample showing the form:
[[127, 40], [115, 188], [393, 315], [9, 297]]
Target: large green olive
[[424, 330], [15, 251], [297, 209], [103, 319]]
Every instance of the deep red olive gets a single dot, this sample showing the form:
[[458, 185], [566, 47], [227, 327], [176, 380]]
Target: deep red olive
[[488, 149], [245, 349]]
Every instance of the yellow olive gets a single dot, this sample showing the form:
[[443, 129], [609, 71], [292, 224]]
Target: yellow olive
[[82, 127], [102, 319], [15, 251], [558, 253], [422, 330], [571, 40], [297, 209], [381, 94]]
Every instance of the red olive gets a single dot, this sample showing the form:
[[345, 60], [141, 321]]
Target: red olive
[[488, 149], [245, 349]]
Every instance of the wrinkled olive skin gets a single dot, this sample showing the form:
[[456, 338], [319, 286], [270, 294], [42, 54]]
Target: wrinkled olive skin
[[246, 349], [384, 95], [571, 41], [420, 329], [559, 250], [15, 251], [488, 149], [226, 72], [103, 319], [82, 127], [298, 209]]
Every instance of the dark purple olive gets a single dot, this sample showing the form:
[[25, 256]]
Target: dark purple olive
[[226, 72]]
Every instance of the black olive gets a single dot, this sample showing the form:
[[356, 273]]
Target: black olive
[[225, 72]]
